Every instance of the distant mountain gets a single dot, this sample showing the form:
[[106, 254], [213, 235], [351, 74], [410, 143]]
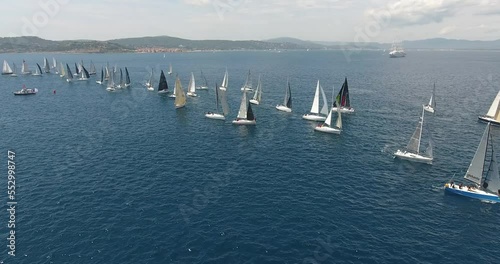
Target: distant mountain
[[36, 44], [172, 44]]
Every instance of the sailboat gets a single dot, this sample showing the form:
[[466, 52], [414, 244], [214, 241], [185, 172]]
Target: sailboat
[[111, 82], [101, 81], [180, 98], [170, 69], [218, 98], [62, 71], [287, 102], [204, 86], [6, 69], [225, 81], [326, 126], [163, 85], [248, 83], [149, 83], [54, 65], [315, 113], [120, 83], [38, 70], [485, 184], [257, 96], [77, 70], [431, 106], [14, 70], [397, 50], [344, 99], [192, 87], [245, 114], [493, 114], [46, 66], [69, 75], [84, 74], [92, 70], [127, 78], [106, 71], [24, 68], [412, 151]]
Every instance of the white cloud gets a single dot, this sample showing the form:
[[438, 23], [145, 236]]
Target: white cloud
[[447, 30]]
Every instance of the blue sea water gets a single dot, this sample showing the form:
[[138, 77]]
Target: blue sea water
[[124, 177]]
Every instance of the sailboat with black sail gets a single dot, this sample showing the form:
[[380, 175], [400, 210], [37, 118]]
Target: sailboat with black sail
[[343, 99], [101, 81], [493, 114], [68, 75], [412, 151], [38, 70], [127, 78], [485, 184], [163, 85]]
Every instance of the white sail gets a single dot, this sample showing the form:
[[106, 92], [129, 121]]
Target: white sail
[[258, 91], [54, 63], [225, 80], [315, 104], [46, 66], [6, 68], [476, 167], [328, 120], [24, 68], [339, 119], [493, 111], [414, 144], [192, 84], [242, 113]]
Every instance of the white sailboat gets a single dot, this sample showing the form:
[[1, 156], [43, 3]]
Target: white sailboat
[[225, 81], [493, 114], [101, 81], [111, 82], [431, 106], [92, 70], [192, 87], [397, 50], [219, 97], [6, 69], [287, 102], [149, 82], [204, 86], [84, 74], [54, 65], [412, 151], [485, 184], [46, 66], [257, 96], [180, 99], [62, 70], [245, 114], [170, 69], [326, 126], [24, 68], [69, 75], [315, 113], [38, 70], [248, 83], [14, 70]]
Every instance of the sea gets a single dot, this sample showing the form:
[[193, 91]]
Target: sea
[[124, 177]]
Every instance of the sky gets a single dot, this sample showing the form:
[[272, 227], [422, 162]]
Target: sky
[[316, 20]]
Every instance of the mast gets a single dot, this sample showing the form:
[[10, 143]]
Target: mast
[[414, 144]]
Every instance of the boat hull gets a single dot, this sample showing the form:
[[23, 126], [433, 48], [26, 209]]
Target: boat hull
[[314, 117], [412, 157], [172, 96], [160, 92], [215, 116], [489, 120], [111, 89], [471, 193], [344, 110], [28, 92], [429, 109], [192, 94], [283, 108], [255, 102], [246, 89], [202, 88], [329, 130], [222, 88], [98, 82], [244, 122]]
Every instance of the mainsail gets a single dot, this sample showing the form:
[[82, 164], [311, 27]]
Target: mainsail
[[343, 96], [163, 85], [475, 171], [6, 68], [258, 91], [243, 112], [46, 66], [414, 144], [180, 97], [127, 78]]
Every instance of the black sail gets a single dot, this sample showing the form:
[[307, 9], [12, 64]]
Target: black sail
[[163, 82]]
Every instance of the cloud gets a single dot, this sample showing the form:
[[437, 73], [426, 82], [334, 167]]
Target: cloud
[[419, 12], [198, 2], [447, 30]]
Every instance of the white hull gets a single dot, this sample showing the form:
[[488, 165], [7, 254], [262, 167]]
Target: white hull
[[397, 54], [192, 94], [246, 89], [179, 106], [314, 117], [344, 110], [244, 122], [215, 116], [172, 96], [150, 88], [202, 88], [98, 82], [111, 89], [36, 74], [412, 157], [327, 129], [160, 92], [284, 108], [429, 109], [222, 88], [255, 102], [83, 79], [489, 119]]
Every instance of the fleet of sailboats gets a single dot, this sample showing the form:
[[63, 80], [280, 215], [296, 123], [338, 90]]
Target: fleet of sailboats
[[287, 101], [431, 106], [257, 96], [315, 114], [493, 114], [343, 99], [412, 151]]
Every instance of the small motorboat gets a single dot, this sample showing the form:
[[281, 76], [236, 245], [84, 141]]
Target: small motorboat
[[26, 91]]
